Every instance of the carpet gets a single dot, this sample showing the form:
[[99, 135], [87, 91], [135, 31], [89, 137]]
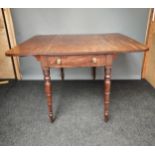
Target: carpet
[[78, 106]]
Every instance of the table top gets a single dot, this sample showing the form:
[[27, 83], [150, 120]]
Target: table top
[[56, 45]]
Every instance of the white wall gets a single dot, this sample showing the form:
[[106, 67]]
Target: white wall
[[131, 22]]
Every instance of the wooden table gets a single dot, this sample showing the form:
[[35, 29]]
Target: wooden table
[[65, 51]]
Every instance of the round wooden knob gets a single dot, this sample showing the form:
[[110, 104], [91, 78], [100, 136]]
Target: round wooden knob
[[58, 61], [94, 60]]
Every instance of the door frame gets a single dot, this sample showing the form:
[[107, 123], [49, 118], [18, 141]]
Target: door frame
[[148, 40], [11, 40]]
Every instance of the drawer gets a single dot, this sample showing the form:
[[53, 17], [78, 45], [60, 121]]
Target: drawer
[[76, 61]]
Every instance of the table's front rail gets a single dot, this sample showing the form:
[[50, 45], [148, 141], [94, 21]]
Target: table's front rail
[[76, 61]]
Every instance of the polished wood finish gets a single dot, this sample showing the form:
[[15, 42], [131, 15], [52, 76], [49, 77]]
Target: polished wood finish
[[62, 73], [107, 86], [76, 61], [48, 91], [69, 45], [93, 72], [59, 51]]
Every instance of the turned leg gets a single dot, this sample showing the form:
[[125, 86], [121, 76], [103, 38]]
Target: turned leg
[[107, 85], [94, 72], [48, 91], [62, 73]]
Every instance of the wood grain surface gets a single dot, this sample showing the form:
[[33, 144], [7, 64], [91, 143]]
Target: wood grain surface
[[76, 61], [56, 45]]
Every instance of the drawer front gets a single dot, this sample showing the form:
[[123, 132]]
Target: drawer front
[[76, 61]]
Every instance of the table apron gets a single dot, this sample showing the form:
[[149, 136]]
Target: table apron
[[76, 61]]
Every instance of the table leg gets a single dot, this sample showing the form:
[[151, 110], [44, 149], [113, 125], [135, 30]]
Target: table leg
[[107, 85], [48, 91], [94, 72], [62, 73]]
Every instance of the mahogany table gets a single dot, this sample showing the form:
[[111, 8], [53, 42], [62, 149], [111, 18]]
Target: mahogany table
[[65, 51]]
